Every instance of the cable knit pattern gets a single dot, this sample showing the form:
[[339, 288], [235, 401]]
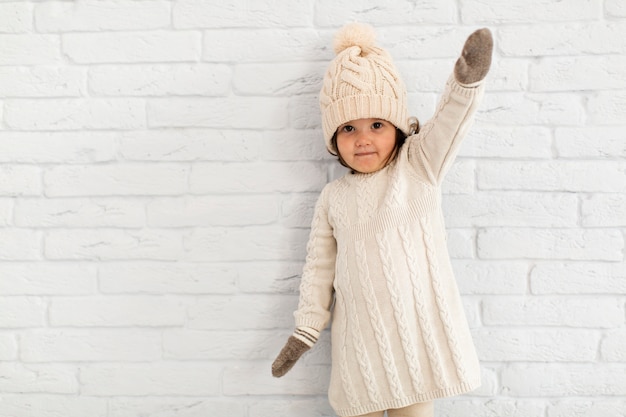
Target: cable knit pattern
[[422, 314], [361, 82], [357, 341], [398, 308], [399, 333], [382, 340], [366, 197], [442, 305]]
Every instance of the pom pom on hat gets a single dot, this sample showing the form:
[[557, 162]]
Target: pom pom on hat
[[354, 34], [361, 82]]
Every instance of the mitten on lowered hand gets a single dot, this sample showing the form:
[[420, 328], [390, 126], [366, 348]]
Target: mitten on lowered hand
[[288, 356], [475, 60], [302, 340]]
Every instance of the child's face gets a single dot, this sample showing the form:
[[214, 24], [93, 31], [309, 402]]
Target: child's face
[[366, 144]]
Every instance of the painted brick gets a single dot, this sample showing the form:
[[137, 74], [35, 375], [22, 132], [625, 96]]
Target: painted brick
[[20, 180], [578, 278], [607, 107], [461, 243], [551, 244], [212, 210], [8, 347], [504, 142], [89, 16], [132, 47], [6, 211], [541, 380], [30, 49], [553, 109], [604, 210], [297, 211], [587, 312], [113, 244], [190, 145], [180, 407], [37, 378], [476, 277], [300, 114], [75, 114], [494, 345], [40, 81], [274, 277], [615, 8], [612, 347], [223, 113], [57, 147], [15, 18], [460, 179], [90, 345], [289, 79], [487, 209], [423, 77], [166, 278], [255, 243], [578, 73], [117, 311], [240, 13], [573, 176], [20, 244], [590, 142], [445, 41], [508, 75], [160, 80], [263, 45], [79, 212], [489, 407], [316, 407], [571, 38], [586, 408], [332, 13], [301, 380], [50, 405], [222, 177], [116, 179], [241, 312], [484, 11], [139, 380], [45, 278], [294, 145], [223, 344]]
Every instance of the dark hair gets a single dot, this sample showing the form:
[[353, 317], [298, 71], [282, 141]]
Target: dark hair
[[400, 138]]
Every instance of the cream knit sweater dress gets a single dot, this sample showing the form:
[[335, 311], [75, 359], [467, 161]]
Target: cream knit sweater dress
[[377, 257]]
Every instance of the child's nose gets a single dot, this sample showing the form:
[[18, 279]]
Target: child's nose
[[363, 138]]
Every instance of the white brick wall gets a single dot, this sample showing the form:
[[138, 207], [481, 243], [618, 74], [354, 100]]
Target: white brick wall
[[160, 159]]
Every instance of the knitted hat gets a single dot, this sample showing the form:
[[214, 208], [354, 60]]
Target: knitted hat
[[360, 83]]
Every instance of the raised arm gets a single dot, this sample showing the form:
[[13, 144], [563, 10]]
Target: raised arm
[[435, 147]]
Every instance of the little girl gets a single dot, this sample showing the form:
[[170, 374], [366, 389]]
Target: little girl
[[377, 253]]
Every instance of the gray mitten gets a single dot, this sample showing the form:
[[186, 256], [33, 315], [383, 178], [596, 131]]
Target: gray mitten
[[288, 356], [475, 60]]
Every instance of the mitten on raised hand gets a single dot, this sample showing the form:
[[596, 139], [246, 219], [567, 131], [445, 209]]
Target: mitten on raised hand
[[298, 343], [475, 60]]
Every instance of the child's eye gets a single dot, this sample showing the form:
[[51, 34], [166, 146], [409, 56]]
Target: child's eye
[[377, 125], [347, 128]]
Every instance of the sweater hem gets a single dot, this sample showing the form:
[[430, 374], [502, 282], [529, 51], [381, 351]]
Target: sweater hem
[[405, 402]]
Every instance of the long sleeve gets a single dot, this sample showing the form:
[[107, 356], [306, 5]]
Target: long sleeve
[[316, 286], [435, 147]]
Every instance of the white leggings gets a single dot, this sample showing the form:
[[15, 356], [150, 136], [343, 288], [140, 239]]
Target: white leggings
[[416, 410]]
